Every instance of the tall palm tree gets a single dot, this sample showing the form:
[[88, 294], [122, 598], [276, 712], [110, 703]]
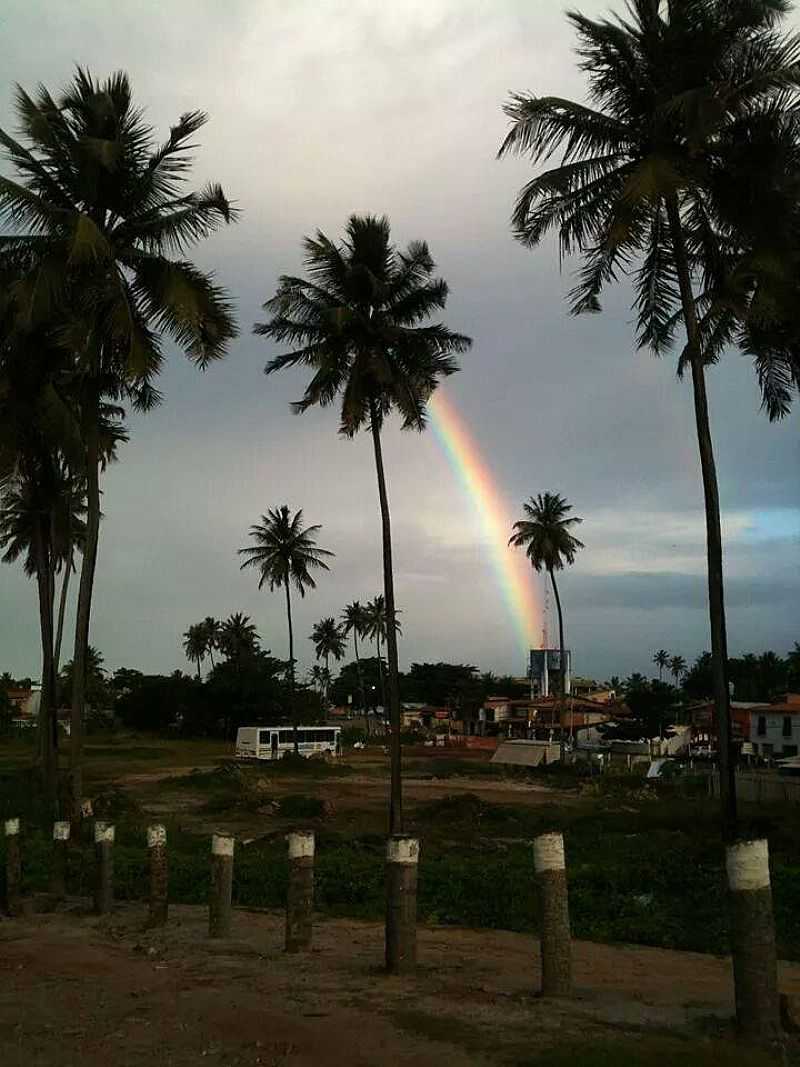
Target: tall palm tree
[[238, 637], [101, 219], [285, 553], [677, 668], [354, 621], [211, 631], [649, 170], [195, 645], [329, 640], [661, 660], [359, 322], [545, 535]]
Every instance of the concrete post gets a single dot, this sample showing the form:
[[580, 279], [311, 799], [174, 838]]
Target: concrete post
[[300, 892], [402, 859], [13, 867], [755, 967], [554, 932], [219, 907], [159, 885], [58, 873], [104, 868]]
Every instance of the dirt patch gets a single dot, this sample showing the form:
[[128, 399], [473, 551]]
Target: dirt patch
[[79, 990]]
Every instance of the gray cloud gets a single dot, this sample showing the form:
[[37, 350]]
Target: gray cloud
[[323, 107]]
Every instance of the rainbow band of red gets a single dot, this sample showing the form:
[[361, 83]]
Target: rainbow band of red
[[514, 574]]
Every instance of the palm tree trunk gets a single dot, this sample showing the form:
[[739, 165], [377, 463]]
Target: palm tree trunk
[[327, 674], [84, 606], [292, 701], [563, 673], [396, 788], [62, 611], [44, 584], [358, 671], [381, 686], [716, 595], [198, 668]]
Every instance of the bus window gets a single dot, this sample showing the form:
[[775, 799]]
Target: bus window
[[285, 737], [263, 737]]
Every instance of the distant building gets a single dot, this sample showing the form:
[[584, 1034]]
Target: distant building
[[545, 671], [775, 728], [533, 718]]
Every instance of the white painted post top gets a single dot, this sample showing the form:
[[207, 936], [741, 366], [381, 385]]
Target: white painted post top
[[11, 827], [61, 831], [301, 845], [156, 835], [86, 809], [402, 850], [748, 865], [103, 832], [548, 853], [222, 845]]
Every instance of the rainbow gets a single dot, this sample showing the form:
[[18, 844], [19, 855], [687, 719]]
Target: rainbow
[[513, 571]]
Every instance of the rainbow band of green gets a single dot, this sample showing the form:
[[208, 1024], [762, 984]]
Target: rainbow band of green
[[511, 567]]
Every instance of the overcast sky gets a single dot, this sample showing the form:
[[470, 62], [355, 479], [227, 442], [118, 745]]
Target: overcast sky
[[321, 108]]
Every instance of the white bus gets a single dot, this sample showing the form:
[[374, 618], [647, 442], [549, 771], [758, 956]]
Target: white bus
[[273, 742]]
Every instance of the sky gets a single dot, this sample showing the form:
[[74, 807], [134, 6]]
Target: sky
[[322, 108]]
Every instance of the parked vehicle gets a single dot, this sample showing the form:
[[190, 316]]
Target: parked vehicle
[[273, 742]]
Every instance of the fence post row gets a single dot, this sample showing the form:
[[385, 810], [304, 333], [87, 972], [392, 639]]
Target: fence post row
[[220, 900], [300, 892], [104, 868], [554, 931], [13, 867], [755, 966], [159, 876], [58, 873], [402, 859]]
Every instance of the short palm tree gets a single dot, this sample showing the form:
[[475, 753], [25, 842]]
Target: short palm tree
[[211, 631], [545, 535], [195, 646], [354, 621], [359, 322], [285, 553], [101, 221], [661, 660], [238, 637], [376, 629], [651, 182], [329, 640], [677, 668]]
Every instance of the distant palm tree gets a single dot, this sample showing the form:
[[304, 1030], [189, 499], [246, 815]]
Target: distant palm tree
[[358, 321], [195, 645], [211, 632], [354, 621], [285, 553], [320, 678], [545, 535], [661, 660], [677, 668], [376, 629], [329, 640], [238, 637]]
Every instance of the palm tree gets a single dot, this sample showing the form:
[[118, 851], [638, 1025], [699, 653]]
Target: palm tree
[[238, 637], [661, 660], [376, 629], [354, 621], [211, 632], [677, 668], [320, 678], [101, 220], [285, 553], [649, 171], [545, 535], [357, 322], [195, 645], [329, 640]]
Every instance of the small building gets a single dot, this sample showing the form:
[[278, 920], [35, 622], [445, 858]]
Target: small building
[[775, 728]]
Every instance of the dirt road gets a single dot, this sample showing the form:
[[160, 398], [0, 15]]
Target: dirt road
[[75, 990]]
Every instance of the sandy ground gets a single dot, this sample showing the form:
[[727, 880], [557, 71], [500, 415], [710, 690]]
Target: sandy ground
[[78, 990]]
